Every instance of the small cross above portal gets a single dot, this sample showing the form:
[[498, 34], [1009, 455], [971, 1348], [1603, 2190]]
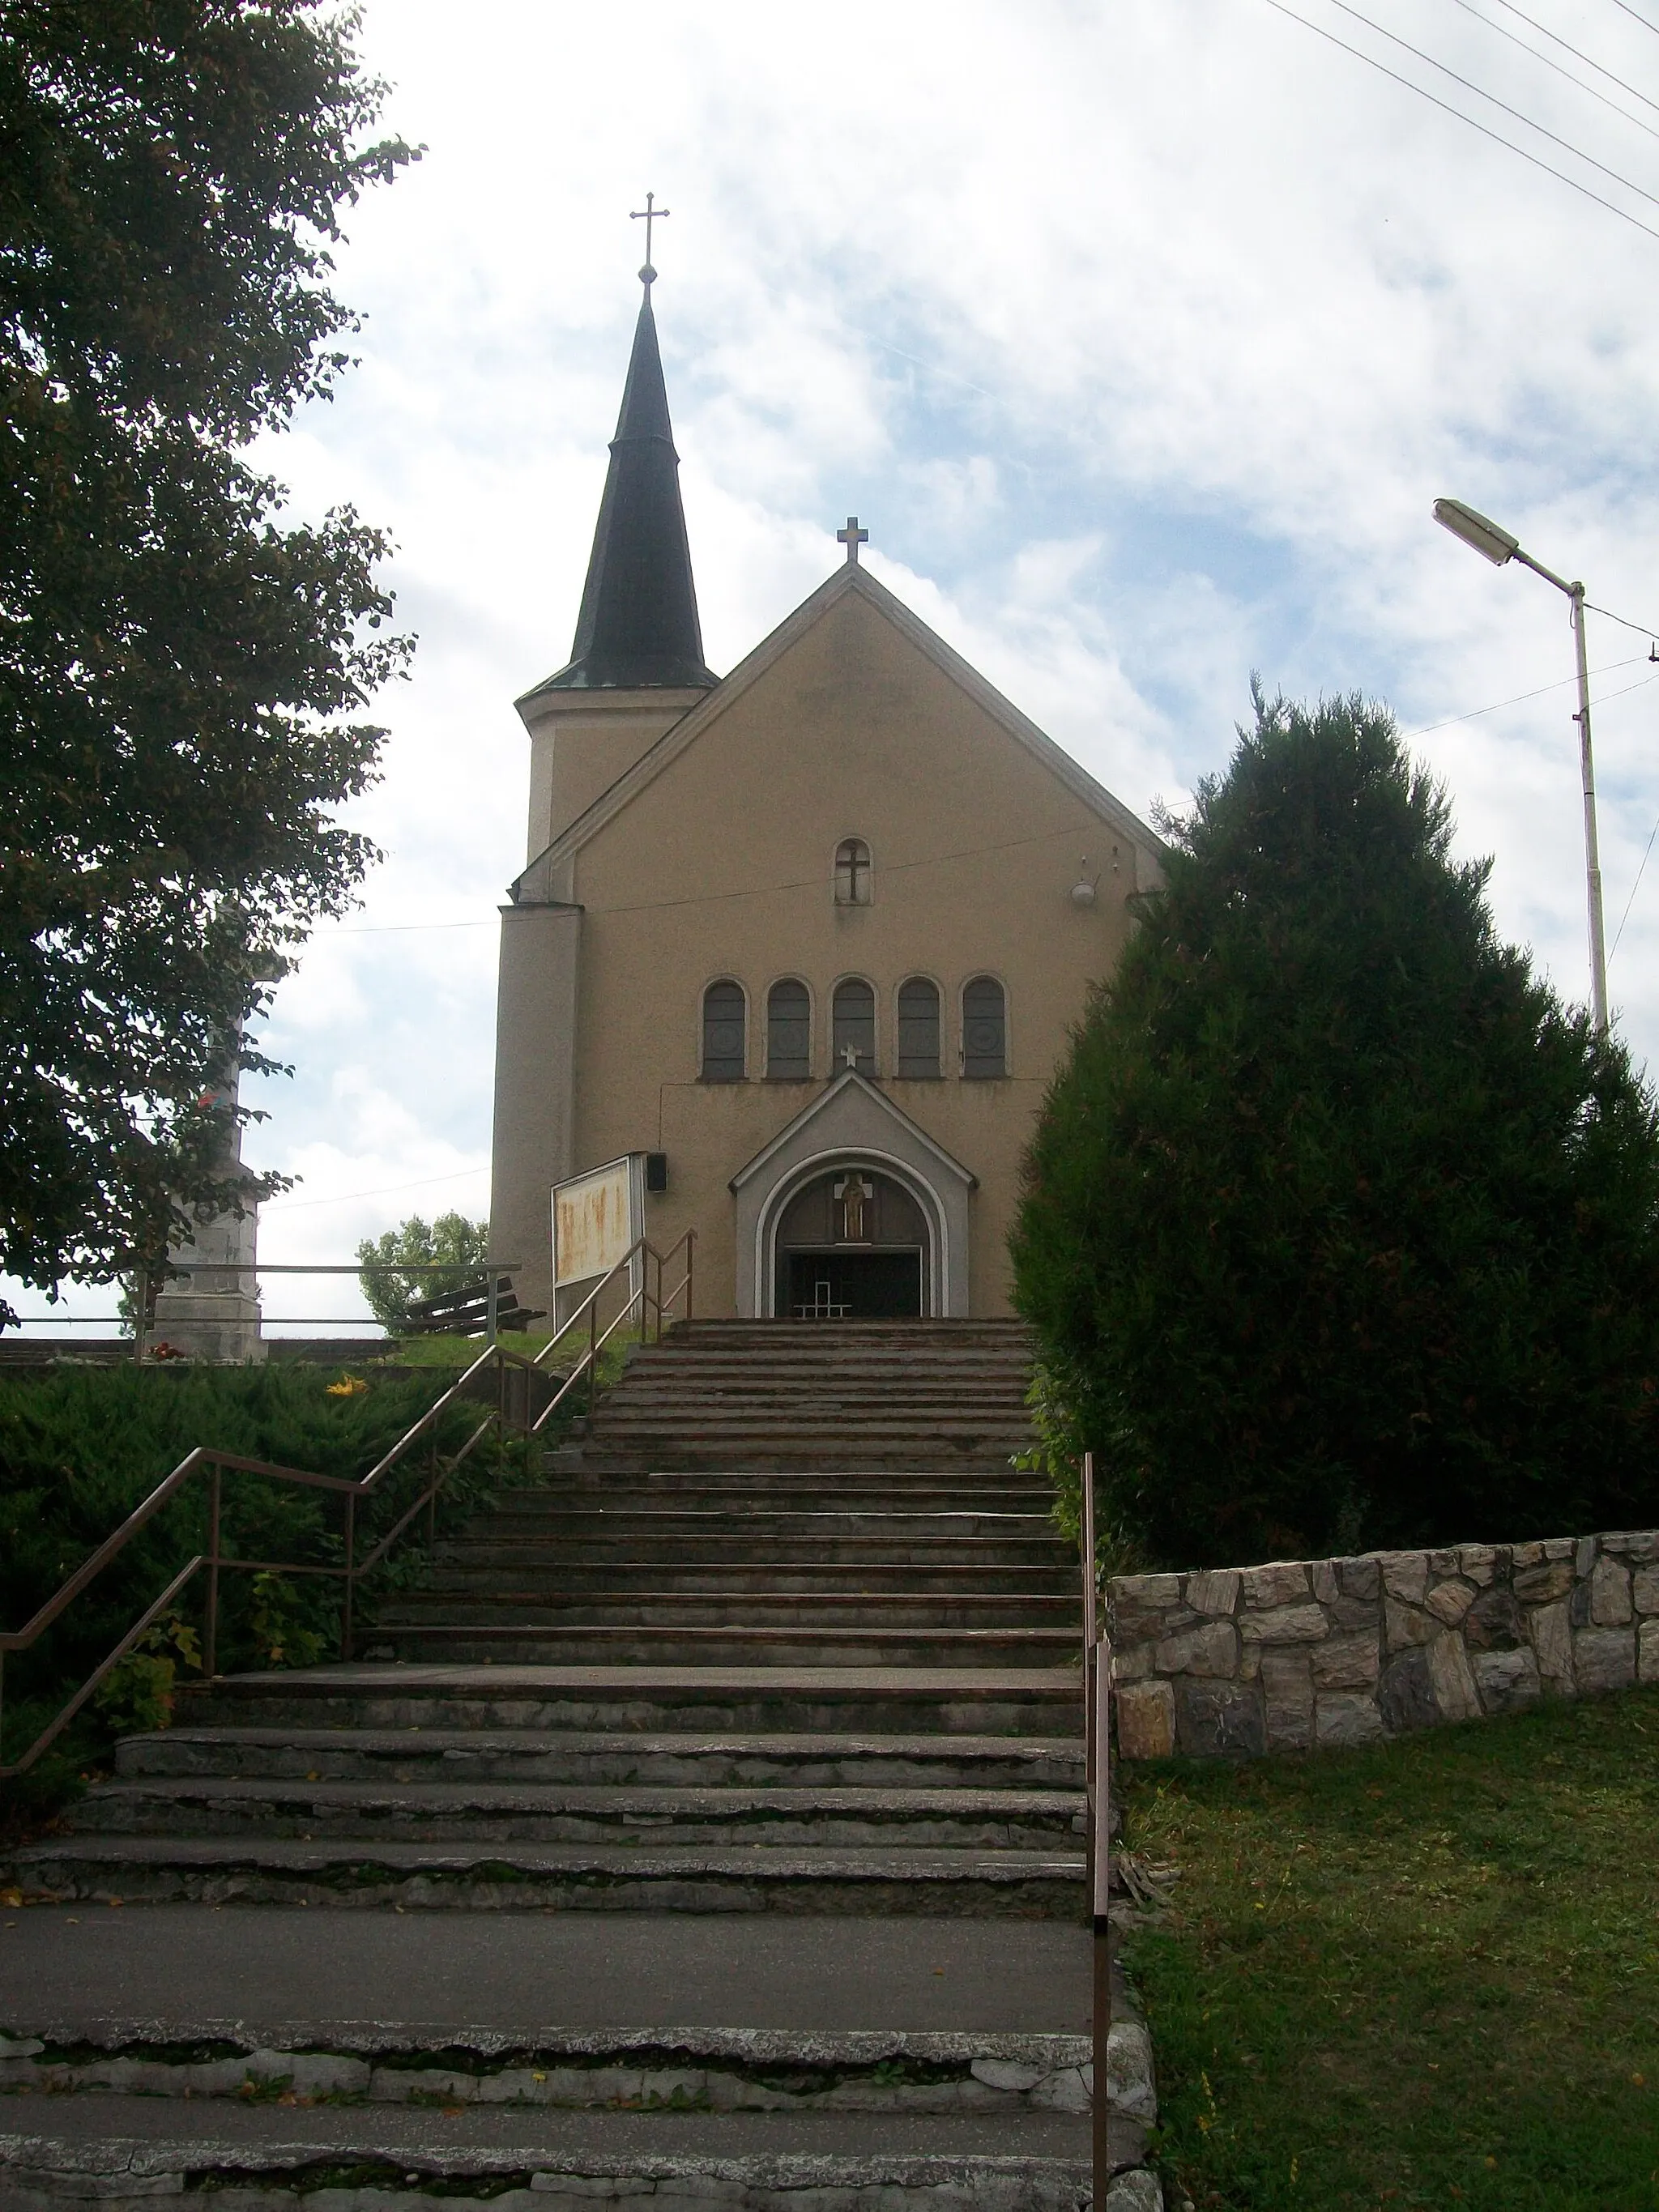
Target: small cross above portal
[[647, 214], [851, 537]]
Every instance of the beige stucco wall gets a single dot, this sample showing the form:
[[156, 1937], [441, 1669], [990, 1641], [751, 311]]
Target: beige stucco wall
[[722, 866], [580, 742]]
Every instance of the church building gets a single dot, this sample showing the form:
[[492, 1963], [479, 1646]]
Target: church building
[[812, 933]]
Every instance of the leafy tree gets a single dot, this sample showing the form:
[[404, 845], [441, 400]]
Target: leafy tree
[[179, 662], [1339, 1229], [391, 1291]]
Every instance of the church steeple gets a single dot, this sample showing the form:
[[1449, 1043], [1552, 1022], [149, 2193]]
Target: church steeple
[[638, 627]]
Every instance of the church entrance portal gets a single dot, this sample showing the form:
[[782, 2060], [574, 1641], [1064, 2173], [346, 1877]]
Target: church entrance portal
[[852, 1245]]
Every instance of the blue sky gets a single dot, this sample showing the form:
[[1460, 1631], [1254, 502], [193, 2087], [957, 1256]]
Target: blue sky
[[1140, 335]]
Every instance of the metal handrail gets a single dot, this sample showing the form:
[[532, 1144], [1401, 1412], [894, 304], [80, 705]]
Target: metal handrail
[[204, 1459]]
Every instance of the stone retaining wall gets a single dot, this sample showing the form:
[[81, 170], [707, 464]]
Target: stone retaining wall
[[1243, 1660]]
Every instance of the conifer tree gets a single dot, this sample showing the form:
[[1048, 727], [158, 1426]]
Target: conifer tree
[[1339, 1229]]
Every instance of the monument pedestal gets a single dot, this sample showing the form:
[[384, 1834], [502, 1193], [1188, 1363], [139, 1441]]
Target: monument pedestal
[[213, 1314]]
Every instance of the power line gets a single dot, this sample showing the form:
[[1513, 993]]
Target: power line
[[1641, 629], [1608, 668], [1634, 888], [1549, 62], [1469, 85], [1446, 108], [385, 1190], [1544, 31], [1638, 18]]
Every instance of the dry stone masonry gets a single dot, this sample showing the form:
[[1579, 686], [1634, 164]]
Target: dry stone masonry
[[1307, 1652]]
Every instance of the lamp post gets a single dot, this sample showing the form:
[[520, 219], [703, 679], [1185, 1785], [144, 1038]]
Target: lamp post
[[1498, 547]]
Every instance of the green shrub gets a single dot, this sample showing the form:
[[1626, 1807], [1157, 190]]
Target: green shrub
[[81, 1446], [1338, 1230]]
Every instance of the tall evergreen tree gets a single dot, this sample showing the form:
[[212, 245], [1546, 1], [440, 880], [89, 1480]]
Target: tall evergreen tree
[[181, 666], [1339, 1229]]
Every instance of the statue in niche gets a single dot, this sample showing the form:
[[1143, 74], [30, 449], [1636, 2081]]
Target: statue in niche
[[853, 1195]]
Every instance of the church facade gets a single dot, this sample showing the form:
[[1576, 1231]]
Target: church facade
[[812, 933]]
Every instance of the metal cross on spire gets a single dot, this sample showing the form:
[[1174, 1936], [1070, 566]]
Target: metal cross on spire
[[647, 214], [851, 537]]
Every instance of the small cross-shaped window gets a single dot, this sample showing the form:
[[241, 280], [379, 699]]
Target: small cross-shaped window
[[853, 874]]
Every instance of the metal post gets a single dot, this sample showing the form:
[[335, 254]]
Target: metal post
[[350, 1572], [1090, 1632], [141, 1317], [494, 1296], [210, 1642], [1592, 850], [1100, 1887]]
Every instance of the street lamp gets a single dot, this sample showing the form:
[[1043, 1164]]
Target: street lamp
[[1497, 546]]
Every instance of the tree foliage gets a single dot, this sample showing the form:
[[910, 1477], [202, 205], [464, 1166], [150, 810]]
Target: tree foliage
[[1339, 1229], [181, 662], [391, 1290]]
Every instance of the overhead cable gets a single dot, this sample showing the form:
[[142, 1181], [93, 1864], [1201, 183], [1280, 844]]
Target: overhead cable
[[1446, 108], [1637, 16], [1577, 54], [1480, 92], [1550, 63]]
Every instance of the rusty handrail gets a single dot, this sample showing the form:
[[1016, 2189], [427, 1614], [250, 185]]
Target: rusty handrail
[[202, 1458]]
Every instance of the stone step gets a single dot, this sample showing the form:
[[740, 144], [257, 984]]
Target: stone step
[[553, 1877], [590, 1458], [443, 1606], [908, 1400], [664, 1761], [524, 1541], [949, 1703], [569, 2070], [243, 2158], [480, 1813], [845, 1486], [558, 1514], [840, 1417], [733, 1646], [550, 1573]]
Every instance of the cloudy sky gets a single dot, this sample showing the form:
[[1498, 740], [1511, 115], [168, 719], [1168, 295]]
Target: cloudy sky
[[1140, 333]]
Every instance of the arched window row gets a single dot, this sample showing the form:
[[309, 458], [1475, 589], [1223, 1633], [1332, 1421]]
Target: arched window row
[[918, 1034]]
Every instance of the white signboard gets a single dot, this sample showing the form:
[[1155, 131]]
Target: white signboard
[[596, 1218]]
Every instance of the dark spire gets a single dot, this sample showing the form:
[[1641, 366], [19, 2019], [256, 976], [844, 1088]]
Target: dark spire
[[638, 626]]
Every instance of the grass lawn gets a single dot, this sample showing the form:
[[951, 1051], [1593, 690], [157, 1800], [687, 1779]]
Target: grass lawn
[[1425, 1974]]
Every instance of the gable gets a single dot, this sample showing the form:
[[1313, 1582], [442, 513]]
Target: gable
[[853, 684]]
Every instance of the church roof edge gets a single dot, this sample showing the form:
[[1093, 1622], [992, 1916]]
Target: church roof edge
[[845, 581]]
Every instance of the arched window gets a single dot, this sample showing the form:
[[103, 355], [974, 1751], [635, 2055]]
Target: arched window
[[984, 1028], [789, 1031], [854, 1026], [723, 1032], [918, 1028], [852, 878]]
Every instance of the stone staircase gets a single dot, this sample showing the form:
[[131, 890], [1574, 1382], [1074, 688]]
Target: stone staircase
[[784, 1635], [853, 1395]]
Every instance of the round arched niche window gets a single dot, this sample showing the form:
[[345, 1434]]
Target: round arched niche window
[[723, 1031], [853, 880], [984, 1029], [853, 1023]]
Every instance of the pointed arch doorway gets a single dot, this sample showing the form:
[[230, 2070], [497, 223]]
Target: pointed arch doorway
[[851, 1244]]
